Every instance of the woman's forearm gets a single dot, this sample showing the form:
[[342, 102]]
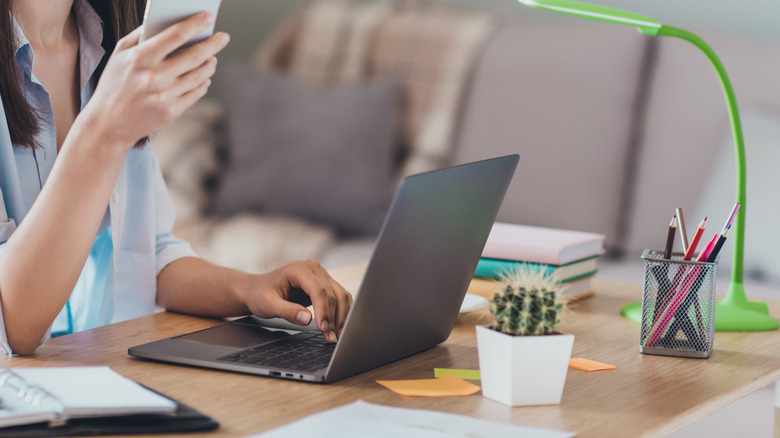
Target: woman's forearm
[[194, 286], [43, 258]]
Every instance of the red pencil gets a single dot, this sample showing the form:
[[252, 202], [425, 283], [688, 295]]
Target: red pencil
[[695, 242]]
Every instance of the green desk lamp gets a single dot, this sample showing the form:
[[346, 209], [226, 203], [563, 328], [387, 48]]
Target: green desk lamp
[[734, 312]]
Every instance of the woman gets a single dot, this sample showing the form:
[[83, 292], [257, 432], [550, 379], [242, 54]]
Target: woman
[[85, 219]]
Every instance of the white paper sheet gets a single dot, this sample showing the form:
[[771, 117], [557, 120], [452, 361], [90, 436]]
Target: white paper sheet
[[361, 419]]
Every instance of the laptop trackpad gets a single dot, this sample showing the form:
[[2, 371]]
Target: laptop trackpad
[[235, 335]]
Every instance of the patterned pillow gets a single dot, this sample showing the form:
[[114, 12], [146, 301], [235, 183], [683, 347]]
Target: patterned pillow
[[191, 152], [324, 154]]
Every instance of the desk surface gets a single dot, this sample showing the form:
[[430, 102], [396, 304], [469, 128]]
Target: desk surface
[[645, 396]]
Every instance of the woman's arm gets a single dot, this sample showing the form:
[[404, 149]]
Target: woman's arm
[[140, 90], [195, 286]]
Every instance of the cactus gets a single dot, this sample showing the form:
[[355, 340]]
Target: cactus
[[527, 303]]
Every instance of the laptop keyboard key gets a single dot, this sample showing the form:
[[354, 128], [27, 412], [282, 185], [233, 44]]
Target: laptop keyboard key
[[307, 354]]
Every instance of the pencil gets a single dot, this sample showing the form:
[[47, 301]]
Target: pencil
[[670, 238], [731, 217], [663, 271], [695, 242], [718, 246], [683, 232]]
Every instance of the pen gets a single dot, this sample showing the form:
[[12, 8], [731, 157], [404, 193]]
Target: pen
[[670, 238], [683, 232], [695, 242], [718, 246]]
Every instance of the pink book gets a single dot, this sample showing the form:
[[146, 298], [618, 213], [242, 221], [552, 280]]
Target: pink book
[[541, 245]]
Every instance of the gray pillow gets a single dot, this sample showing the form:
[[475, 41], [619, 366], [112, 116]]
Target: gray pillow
[[323, 154]]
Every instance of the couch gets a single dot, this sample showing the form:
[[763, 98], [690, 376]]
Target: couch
[[614, 130]]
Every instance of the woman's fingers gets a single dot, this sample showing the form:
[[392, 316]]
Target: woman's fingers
[[130, 39], [301, 275], [188, 99], [330, 295], [166, 42], [330, 300], [182, 72], [192, 79], [285, 291], [343, 302], [194, 56]]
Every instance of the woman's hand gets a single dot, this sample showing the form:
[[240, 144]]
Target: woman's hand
[[285, 291], [142, 88]]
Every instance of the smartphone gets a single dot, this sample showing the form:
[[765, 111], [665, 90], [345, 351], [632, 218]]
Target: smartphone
[[160, 14]]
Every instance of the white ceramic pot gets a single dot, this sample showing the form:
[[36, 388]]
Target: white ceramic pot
[[523, 370]]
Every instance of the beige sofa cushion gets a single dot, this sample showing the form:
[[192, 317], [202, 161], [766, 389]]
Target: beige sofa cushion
[[561, 97], [256, 243]]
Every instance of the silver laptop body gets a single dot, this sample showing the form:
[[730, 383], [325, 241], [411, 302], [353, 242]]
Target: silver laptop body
[[416, 279]]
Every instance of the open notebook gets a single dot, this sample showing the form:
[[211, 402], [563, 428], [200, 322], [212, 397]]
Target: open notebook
[[55, 395]]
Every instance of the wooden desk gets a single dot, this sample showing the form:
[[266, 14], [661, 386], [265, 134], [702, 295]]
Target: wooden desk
[[645, 396]]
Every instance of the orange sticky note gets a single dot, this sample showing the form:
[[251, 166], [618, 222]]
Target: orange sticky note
[[447, 386], [581, 364]]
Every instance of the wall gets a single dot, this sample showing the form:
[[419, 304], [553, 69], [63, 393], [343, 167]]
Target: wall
[[747, 18], [249, 21]]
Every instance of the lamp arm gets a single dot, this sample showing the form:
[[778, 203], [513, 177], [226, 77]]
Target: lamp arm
[[735, 295]]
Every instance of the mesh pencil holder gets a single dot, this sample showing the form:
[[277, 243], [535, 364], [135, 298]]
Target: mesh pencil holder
[[678, 306]]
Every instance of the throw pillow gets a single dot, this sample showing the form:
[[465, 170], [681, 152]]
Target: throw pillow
[[321, 153], [188, 150]]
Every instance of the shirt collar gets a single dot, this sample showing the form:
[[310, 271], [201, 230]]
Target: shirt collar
[[91, 51], [23, 51]]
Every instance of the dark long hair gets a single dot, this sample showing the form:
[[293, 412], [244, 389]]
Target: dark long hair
[[119, 17]]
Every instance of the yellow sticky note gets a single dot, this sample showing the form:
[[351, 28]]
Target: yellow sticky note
[[581, 364], [462, 374], [447, 386]]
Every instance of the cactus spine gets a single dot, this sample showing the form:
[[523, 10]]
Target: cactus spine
[[527, 303]]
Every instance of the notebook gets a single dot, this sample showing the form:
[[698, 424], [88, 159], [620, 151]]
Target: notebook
[[541, 245], [79, 401], [408, 301], [34, 395]]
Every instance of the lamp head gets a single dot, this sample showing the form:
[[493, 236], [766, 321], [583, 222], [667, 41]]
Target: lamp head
[[644, 24]]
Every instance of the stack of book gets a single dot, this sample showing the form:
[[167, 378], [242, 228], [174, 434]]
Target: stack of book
[[570, 256]]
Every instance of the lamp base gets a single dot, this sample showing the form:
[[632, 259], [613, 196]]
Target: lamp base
[[728, 318], [734, 313], [735, 319]]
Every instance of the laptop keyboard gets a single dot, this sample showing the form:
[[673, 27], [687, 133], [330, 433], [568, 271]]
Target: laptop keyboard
[[303, 353]]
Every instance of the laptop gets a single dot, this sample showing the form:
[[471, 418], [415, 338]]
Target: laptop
[[408, 301]]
